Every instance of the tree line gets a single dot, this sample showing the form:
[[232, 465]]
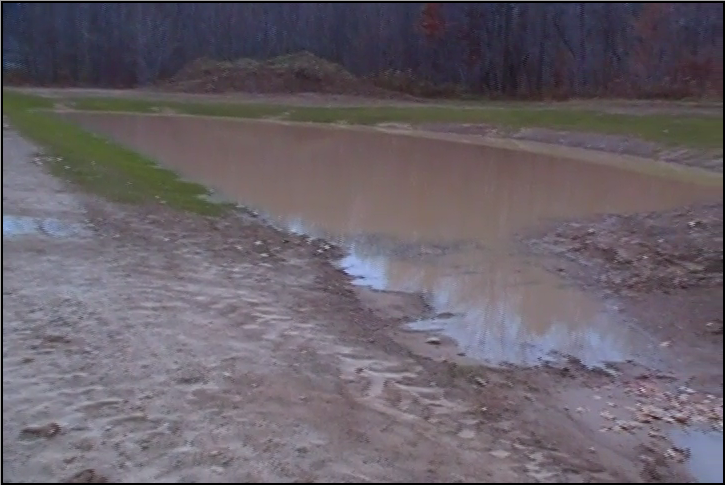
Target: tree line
[[506, 49]]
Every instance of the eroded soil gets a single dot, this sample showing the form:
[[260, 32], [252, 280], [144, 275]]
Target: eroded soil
[[665, 269], [147, 345], [619, 144]]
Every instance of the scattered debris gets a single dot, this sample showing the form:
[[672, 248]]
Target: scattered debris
[[677, 454], [607, 415], [643, 252], [480, 381]]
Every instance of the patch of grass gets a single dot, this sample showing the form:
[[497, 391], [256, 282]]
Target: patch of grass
[[188, 108], [674, 130], [98, 165]]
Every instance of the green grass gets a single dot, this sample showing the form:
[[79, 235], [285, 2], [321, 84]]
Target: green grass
[[98, 165], [689, 131]]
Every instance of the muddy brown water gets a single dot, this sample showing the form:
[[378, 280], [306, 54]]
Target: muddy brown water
[[424, 215]]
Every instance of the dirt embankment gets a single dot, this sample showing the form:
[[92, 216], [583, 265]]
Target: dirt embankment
[[141, 344], [664, 251], [619, 144], [296, 73]]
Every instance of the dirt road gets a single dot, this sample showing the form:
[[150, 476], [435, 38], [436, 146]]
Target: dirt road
[[144, 345]]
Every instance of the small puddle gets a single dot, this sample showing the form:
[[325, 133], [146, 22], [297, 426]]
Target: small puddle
[[706, 448], [25, 225], [422, 215]]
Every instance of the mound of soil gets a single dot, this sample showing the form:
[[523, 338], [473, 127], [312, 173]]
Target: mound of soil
[[16, 77], [294, 73], [647, 252]]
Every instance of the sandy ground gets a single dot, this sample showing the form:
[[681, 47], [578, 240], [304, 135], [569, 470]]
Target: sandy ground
[[140, 345]]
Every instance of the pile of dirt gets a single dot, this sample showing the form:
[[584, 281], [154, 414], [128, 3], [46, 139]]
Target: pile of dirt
[[16, 77], [647, 252], [294, 73]]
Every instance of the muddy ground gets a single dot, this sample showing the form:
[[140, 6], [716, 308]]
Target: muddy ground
[[666, 270], [141, 344]]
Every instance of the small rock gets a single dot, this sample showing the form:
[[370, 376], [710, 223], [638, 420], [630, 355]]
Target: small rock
[[537, 457], [433, 340], [680, 417], [46, 431], [540, 476], [467, 434], [653, 412], [626, 425], [677, 454], [87, 476], [645, 458], [607, 415], [665, 344], [500, 454]]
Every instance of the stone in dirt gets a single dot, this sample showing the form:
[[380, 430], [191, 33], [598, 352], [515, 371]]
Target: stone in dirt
[[46, 431], [500, 454], [87, 476]]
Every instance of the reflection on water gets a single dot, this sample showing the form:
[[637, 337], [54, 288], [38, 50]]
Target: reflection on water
[[420, 215], [25, 225], [502, 312], [706, 459]]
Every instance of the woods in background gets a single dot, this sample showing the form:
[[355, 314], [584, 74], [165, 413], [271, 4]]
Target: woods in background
[[524, 50]]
